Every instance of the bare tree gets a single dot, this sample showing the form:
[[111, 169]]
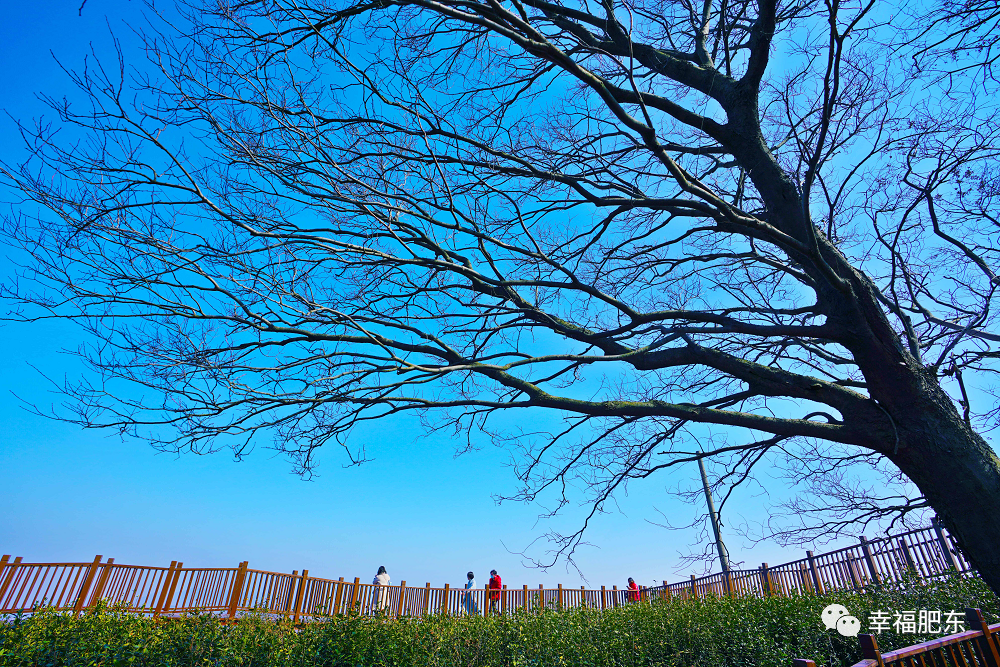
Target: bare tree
[[646, 217]]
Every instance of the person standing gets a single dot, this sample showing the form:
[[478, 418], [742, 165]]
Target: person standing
[[633, 590], [380, 594], [495, 586], [470, 601]]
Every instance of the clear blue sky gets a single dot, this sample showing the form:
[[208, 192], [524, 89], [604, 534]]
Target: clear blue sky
[[68, 494]]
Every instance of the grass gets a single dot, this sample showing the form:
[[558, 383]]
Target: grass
[[714, 632]]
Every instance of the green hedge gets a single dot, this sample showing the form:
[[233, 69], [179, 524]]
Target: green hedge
[[710, 633]]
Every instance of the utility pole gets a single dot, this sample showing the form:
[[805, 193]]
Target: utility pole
[[723, 553]]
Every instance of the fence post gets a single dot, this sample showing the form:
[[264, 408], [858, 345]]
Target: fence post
[[525, 601], [905, 548], [694, 588], [10, 569], [804, 579], [614, 596], [444, 601], [866, 549], [949, 556], [234, 598], [987, 643], [765, 579], [541, 597], [85, 586], [604, 599], [290, 598], [815, 573], [354, 595], [300, 595], [102, 581], [173, 586], [3, 566], [164, 587], [852, 568], [337, 608], [559, 598], [869, 649], [402, 594]]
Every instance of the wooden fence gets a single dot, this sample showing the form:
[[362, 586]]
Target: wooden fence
[[977, 647], [928, 552], [229, 592]]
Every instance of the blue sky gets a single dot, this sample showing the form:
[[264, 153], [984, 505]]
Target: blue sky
[[427, 516]]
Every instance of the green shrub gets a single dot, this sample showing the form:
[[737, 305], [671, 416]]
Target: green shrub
[[713, 632]]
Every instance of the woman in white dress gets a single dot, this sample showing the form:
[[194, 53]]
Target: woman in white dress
[[380, 594]]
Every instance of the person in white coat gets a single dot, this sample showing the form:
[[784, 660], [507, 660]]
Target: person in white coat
[[470, 601], [380, 595]]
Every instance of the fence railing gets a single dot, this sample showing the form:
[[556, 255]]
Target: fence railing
[[977, 647], [926, 552]]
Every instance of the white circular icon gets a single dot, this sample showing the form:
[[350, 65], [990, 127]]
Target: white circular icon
[[848, 626], [832, 614]]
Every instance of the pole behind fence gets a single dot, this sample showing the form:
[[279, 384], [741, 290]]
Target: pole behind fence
[[354, 595], [234, 598], [949, 556], [173, 586], [5, 582], [337, 608], [907, 556], [815, 573], [299, 594], [102, 581], [290, 596], [804, 578], [866, 549], [85, 586], [164, 587], [853, 570], [765, 579]]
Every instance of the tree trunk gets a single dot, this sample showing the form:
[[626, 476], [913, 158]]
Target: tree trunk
[[956, 471], [953, 467]]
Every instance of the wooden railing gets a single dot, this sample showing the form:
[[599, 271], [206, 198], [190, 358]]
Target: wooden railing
[[977, 647], [927, 552]]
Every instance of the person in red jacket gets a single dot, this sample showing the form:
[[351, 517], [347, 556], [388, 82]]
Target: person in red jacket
[[633, 590], [495, 586]]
